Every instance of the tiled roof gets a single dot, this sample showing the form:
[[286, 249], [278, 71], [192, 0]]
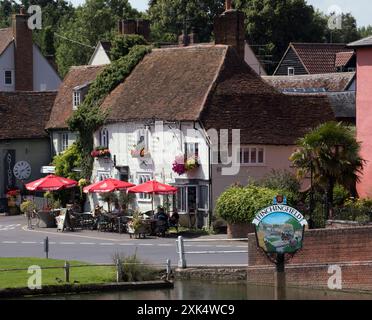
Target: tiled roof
[[343, 103], [25, 114], [319, 57], [6, 37], [337, 81], [211, 84], [343, 58], [365, 42], [62, 108]]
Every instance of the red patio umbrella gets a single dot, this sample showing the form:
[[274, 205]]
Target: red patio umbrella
[[108, 185], [51, 183], [153, 187]]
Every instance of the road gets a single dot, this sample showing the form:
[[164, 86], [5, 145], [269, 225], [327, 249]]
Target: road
[[99, 247]]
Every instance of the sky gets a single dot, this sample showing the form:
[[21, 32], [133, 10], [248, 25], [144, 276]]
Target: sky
[[360, 9]]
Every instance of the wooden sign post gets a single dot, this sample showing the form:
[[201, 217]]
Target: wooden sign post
[[279, 233]]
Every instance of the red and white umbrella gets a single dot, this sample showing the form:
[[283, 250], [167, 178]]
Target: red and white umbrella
[[51, 183], [153, 187], [108, 185]]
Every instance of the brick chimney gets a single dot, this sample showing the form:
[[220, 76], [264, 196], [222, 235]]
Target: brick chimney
[[131, 26], [23, 52], [229, 28]]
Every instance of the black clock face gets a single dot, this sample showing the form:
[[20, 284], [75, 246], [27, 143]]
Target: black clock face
[[22, 170]]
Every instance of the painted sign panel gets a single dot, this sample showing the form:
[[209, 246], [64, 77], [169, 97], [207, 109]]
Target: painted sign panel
[[9, 162], [279, 229]]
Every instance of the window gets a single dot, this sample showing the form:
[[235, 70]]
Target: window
[[291, 71], [203, 198], [181, 199], [63, 141], [142, 178], [8, 79], [104, 138], [191, 150], [143, 138], [103, 175], [76, 100], [252, 155]]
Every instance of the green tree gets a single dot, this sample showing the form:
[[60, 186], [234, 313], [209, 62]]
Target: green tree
[[332, 152], [168, 18], [121, 45], [348, 32], [272, 25], [67, 161], [365, 32], [93, 21]]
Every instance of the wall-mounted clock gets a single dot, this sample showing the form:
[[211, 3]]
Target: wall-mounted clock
[[22, 170]]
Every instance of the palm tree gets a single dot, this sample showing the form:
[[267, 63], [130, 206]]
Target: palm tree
[[331, 152]]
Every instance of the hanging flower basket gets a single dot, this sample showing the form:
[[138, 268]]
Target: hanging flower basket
[[101, 152], [182, 166]]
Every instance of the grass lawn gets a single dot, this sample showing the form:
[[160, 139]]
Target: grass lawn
[[83, 275]]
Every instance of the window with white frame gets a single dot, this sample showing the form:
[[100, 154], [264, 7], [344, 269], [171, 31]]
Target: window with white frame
[[181, 199], [143, 138], [191, 150], [8, 77], [291, 71], [104, 138], [103, 175], [252, 155], [76, 99], [142, 178], [203, 200], [64, 141]]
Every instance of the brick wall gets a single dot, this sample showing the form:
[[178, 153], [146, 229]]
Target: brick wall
[[350, 248]]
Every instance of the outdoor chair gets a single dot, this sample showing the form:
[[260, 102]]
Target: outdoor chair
[[161, 228]]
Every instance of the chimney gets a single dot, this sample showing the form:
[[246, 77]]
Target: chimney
[[143, 28], [120, 26], [23, 52], [229, 29], [131, 26]]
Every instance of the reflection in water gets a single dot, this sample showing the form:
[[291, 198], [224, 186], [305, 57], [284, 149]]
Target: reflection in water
[[206, 290]]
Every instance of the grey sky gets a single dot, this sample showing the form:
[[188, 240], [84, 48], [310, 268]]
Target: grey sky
[[360, 9]]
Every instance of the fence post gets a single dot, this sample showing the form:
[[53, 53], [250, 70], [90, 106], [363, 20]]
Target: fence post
[[181, 253], [168, 268], [118, 271], [119, 225], [46, 247], [67, 271]]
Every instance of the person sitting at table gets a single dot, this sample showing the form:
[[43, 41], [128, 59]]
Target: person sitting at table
[[116, 209], [174, 219], [161, 215]]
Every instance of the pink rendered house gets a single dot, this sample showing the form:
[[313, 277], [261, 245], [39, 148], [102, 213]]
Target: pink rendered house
[[364, 111]]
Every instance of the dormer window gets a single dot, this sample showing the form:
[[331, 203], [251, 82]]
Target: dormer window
[[8, 77], [76, 99], [291, 71]]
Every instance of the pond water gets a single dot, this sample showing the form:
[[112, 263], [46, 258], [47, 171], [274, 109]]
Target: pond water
[[206, 290]]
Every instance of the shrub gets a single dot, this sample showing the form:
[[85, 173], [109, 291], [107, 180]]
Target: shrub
[[123, 43], [27, 206], [340, 195], [281, 180], [241, 204], [133, 269]]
